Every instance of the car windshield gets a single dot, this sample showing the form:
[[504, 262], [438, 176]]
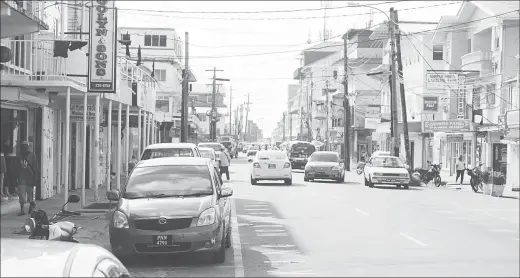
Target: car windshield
[[250, 153], [207, 154], [387, 162], [167, 152], [175, 180], [215, 146], [271, 155], [324, 157]]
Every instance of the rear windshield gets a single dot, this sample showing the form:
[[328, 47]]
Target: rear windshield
[[214, 146], [207, 154], [307, 148], [226, 144], [271, 156], [165, 152], [168, 180], [324, 157]]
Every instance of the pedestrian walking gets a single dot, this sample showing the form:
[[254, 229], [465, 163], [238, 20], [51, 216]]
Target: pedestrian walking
[[224, 162], [460, 167], [28, 177], [131, 164]]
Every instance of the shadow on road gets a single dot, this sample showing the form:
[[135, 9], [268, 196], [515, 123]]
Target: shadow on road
[[260, 183], [397, 188]]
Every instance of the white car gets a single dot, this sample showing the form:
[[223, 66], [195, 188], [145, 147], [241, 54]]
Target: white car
[[211, 154], [251, 155], [386, 170], [271, 165], [170, 150], [217, 147]]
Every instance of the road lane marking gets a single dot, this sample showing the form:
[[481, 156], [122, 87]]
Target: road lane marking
[[500, 217], [257, 209], [269, 231], [281, 252], [278, 245], [283, 262], [237, 247], [362, 212], [413, 239], [268, 226], [273, 234], [255, 205]]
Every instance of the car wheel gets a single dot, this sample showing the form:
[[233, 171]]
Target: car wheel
[[370, 184], [406, 186], [253, 181], [228, 237], [305, 179], [288, 181], [220, 256]]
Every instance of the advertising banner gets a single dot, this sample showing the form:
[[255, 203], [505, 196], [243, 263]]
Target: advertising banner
[[441, 80], [446, 126], [102, 47], [431, 104]]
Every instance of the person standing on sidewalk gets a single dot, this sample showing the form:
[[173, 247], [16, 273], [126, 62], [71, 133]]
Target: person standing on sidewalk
[[460, 166], [28, 178], [224, 162]]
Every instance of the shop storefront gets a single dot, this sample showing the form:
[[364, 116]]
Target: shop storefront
[[512, 138]]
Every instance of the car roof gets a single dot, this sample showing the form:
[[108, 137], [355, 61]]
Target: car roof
[[386, 156], [206, 149], [171, 145], [173, 161]]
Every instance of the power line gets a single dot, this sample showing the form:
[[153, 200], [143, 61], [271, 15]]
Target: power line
[[274, 18]]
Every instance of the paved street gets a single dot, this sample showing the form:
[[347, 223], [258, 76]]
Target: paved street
[[329, 229]]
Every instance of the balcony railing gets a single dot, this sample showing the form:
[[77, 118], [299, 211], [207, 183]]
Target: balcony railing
[[34, 60], [477, 60], [32, 9]]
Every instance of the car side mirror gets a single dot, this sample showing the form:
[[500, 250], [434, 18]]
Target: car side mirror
[[113, 195], [73, 199], [226, 192]]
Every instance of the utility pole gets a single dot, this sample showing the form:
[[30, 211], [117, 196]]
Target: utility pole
[[309, 110], [327, 100], [184, 101], [283, 131], [240, 121], [401, 85], [346, 106], [394, 85], [247, 117], [230, 109], [214, 114]]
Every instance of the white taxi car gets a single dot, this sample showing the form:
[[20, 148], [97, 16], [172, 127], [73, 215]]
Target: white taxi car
[[388, 170], [271, 165]]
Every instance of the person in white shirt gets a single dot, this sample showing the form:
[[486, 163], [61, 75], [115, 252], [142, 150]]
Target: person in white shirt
[[460, 167], [224, 162]]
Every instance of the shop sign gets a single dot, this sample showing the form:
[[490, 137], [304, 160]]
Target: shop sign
[[76, 113], [372, 123], [373, 111], [446, 126], [455, 138], [431, 104], [102, 47], [441, 80], [512, 119], [501, 121]]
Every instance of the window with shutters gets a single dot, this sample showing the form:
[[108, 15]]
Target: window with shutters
[[162, 40], [437, 52], [469, 45], [507, 99], [490, 95], [147, 40], [160, 74], [155, 40]]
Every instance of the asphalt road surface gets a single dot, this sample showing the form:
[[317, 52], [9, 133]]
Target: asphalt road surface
[[328, 229]]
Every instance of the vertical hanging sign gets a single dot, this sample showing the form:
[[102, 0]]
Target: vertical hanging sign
[[102, 47]]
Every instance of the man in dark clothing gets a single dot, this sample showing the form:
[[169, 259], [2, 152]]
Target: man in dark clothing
[[28, 177]]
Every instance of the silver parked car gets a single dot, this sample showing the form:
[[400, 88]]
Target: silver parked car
[[43, 258], [171, 206]]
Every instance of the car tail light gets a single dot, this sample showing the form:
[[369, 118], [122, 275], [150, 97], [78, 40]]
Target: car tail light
[[287, 165], [256, 165]]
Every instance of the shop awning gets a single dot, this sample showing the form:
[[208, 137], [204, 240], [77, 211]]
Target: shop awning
[[23, 96]]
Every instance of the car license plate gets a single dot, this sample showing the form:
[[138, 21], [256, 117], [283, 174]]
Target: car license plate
[[321, 174], [272, 166], [302, 156], [166, 240]]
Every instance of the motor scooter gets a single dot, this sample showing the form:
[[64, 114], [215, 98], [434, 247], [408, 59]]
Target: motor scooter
[[38, 226], [360, 168], [475, 175], [427, 175]]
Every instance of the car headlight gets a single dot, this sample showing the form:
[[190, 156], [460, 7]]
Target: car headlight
[[377, 174], [120, 220], [29, 225], [405, 175], [207, 217], [336, 168]]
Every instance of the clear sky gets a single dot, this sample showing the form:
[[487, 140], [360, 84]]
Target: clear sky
[[260, 56]]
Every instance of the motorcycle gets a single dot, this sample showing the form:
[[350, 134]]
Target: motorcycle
[[360, 168], [431, 174], [39, 226], [475, 175]]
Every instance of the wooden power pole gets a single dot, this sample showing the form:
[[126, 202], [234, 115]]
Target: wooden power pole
[[346, 106], [246, 125], [214, 114], [393, 91], [401, 87], [184, 100]]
